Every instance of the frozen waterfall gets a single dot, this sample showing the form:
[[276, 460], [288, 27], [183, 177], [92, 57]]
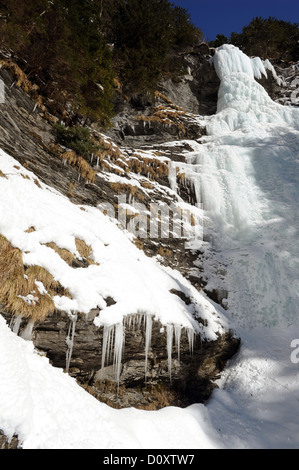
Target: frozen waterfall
[[245, 173]]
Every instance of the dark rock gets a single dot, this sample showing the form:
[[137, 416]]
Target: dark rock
[[6, 444]]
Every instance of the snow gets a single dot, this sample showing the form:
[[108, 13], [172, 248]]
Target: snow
[[245, 175], [49, 410]]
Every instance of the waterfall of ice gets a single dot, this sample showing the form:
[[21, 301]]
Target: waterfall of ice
[[245, 174]]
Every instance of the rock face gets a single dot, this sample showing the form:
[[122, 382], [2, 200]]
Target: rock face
[[195, 91]]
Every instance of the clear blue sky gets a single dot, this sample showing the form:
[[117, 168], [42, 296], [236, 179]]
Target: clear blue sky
[[226, 16]]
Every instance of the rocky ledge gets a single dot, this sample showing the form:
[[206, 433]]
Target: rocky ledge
[[179, 373]]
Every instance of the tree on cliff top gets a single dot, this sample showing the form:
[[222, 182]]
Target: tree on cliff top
[[269, 38]]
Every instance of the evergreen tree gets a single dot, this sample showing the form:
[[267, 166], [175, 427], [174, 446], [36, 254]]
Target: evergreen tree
[[269, 38], [143, 33], [60, 45]]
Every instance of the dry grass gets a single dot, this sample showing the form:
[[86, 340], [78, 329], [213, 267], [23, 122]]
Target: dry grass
[[22, 81], [164, 252], [71, 187], [146, 185], [2, 174], [19, 291], [111, 158], [74, 160], [64, 254], [30, 230], [37, 183], [17, 282], [170, 103], [84, 250], [81, 165], [166, 114], [151, 168], [122, 188], [138, 243]]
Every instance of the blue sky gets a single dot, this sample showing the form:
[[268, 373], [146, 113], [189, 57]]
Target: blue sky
[[226, 16]]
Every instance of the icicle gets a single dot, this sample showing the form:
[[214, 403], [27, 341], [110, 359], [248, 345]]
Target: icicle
[[118, 349], [106, 344], [16, 325], [148, 338], [136, 320], [169, 347], [129, 321], [70, 341], [110, 344], [191, 335], [177, 334], [140, 318], [27, 332]]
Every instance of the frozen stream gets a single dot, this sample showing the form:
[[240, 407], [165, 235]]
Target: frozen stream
[[245, 174]]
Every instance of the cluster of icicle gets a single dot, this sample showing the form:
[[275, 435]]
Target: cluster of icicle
[[114, 340]]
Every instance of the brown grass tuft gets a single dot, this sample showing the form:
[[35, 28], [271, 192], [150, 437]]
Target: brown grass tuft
[[18, 283], [30, 230], [22, 81], [81, 165], [64, 254], [84, 250]]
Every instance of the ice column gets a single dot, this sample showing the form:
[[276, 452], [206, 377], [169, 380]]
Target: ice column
[[118, 349], [169, 347], [107, 343], [70, 340], [148, 338], [177, 334]]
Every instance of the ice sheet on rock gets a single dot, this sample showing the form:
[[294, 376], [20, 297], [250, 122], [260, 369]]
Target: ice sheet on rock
[[246, 176], [243, 104]]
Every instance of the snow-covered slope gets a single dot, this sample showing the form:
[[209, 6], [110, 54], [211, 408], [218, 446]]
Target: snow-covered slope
[[245, 175]]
